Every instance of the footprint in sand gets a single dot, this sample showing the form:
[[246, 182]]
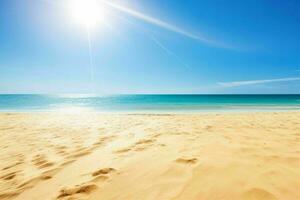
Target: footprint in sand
[[61, 150], [33, 181], [49, 174], [187, 161], [143, 144], [9, 195], [79, 152], [138, 146], [9, 176], [41, 161], [103, 171], [102, 174], [208, 127], [103, 140], [84, 189]]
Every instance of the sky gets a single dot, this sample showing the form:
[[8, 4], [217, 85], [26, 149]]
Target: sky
[[151, 46]]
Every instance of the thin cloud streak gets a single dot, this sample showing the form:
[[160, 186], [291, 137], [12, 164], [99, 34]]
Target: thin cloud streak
[[165, 25], [254, 82]]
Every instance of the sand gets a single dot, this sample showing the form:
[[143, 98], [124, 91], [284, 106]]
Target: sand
[[251, 156]]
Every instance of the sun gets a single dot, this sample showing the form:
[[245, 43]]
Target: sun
[[88, 13]]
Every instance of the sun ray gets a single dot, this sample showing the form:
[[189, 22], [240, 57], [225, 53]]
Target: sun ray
[[91, 60]]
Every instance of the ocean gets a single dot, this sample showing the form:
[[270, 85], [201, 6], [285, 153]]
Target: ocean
[[148, 103]]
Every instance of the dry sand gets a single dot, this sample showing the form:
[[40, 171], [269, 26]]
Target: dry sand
[[136, 157]]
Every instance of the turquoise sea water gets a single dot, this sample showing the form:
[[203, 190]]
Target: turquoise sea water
[[149, 103]]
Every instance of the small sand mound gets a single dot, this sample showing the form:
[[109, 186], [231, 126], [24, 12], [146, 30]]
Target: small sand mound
[[258, 194]]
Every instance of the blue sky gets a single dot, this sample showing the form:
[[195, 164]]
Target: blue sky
[[152, 46]]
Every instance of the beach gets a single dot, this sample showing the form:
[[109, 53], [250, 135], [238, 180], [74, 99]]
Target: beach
[[234, 156]]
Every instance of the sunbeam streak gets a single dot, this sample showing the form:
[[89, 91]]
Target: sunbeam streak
[[166, 25], [91, 60], [157, 42], [96, 11], [168, 51]]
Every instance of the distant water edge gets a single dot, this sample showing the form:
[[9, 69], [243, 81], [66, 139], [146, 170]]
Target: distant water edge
[[148, 103]]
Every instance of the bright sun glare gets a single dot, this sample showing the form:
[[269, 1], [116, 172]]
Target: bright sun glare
[[86, 12]]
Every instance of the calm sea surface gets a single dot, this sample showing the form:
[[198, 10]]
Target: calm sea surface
[[149, 103]]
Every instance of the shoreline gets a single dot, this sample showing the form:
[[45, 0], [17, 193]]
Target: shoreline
[[148, 113]]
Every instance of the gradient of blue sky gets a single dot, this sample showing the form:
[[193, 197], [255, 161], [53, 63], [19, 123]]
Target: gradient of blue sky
[[43, 51]]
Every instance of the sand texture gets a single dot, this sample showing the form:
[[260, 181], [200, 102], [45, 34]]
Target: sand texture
[[253, 156]]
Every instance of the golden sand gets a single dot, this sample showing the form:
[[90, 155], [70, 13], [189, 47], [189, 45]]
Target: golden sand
[[252, 156]]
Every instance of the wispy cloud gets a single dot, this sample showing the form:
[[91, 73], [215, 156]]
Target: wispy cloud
[[254, 82], [168, 26]]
